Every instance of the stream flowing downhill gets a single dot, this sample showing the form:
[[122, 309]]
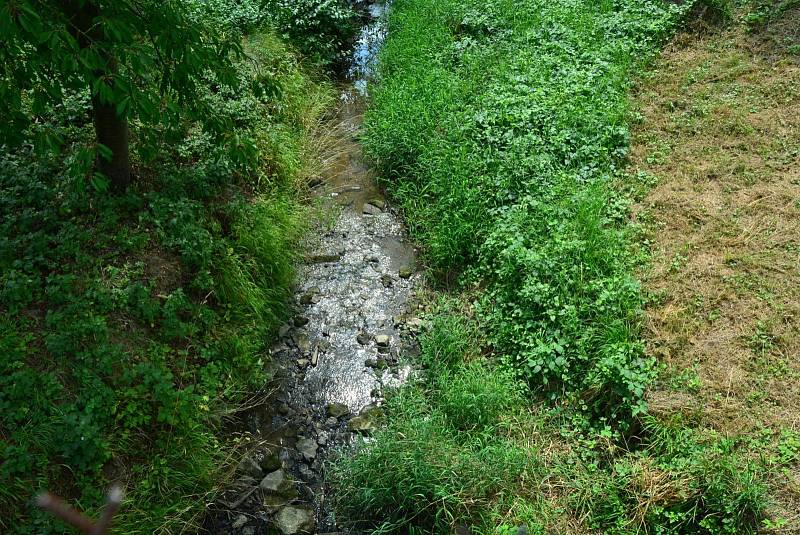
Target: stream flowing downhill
[[344, 342]]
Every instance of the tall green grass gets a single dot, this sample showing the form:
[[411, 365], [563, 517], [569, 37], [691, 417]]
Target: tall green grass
[[498, 126], [501, 129]]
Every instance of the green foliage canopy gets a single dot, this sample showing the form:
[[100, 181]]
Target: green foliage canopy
[[147, 59]]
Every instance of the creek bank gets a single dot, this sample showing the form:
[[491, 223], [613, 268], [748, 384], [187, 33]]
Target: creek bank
[[353, 322]]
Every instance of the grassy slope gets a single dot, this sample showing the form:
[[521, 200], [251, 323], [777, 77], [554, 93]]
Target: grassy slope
[[131, 325], [720, 132], [501, 128]]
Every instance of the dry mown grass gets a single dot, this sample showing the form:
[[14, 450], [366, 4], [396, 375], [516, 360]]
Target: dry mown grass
[[721, 132]]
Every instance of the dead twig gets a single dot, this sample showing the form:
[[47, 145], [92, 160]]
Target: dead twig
[[61, 509]]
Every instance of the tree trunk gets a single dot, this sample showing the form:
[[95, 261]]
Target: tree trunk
[[112, 131]]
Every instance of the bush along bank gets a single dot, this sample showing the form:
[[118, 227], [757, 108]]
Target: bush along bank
[[132, 324], [501, 129]]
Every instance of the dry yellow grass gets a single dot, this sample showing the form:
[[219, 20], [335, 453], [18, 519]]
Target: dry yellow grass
[[721, 133]]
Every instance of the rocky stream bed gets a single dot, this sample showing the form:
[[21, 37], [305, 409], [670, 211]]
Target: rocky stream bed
[[353, 325]]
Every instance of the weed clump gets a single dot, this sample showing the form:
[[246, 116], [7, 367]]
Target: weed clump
[[502, 129], [130, 324], [502, 150]]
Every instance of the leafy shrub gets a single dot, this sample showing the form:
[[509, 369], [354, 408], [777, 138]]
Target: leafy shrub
[[123, 333], [321, 29], [503, 160], [240, 16], [564, 304]]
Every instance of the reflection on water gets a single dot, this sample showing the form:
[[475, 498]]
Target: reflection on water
[[368, 44]]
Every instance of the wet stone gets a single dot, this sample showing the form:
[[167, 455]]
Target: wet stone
[[371, 209], [250, 467], [379, 203], [307, 447], [361, 424], [337, 410], [415, 324], [277, 483], [292, 520], [302, 342], [308, 297], [362, 338], [300, 321]]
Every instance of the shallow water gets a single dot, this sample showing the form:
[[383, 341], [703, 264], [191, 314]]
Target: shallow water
[[351, 319]]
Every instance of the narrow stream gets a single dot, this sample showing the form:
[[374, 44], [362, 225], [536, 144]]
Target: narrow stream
[[344, 342]]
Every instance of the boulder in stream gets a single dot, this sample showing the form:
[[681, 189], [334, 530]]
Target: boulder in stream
[[277, 483], [307, 447], [293, 520]]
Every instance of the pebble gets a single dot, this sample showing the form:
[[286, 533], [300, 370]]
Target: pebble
[[382, 340], [361, 424], [303, 343]]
